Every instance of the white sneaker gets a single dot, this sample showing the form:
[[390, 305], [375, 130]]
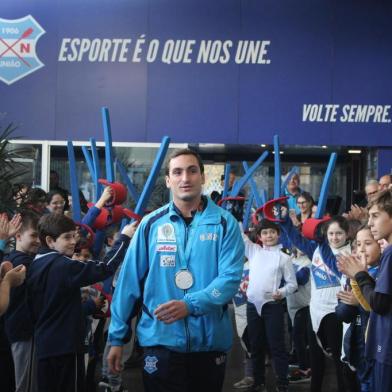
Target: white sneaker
[[246, 382]]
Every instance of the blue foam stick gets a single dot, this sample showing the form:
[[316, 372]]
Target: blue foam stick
[[89, 162], [248, 211], [226, 180], [124, 175], [97, 170], [76, 212], [294, 170], [263, 195], [277, 167], [150, 183], [322, 203], [245, 178], [226, 183], [253, 187], [107, 133]]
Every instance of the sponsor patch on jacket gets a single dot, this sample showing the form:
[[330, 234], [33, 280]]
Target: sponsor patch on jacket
[[166, 233], [166, 248], [168, 261]]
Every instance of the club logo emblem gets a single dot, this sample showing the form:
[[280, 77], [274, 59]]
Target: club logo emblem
[[150, 364], [18, 41], [166, 233]]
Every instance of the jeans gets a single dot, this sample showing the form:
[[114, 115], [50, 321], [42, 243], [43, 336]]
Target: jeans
[[268, 330]]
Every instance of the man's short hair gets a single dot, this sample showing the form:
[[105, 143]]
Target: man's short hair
[[53, 225], [383, 200], [389, 176], [184, 151], [372, 182], [29, 220], [266, 224]]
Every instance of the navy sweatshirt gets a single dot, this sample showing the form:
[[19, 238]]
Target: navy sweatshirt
[[54, 281], [18, 322]]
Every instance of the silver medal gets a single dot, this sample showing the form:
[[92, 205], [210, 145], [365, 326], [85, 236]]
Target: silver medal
[[184, 279]]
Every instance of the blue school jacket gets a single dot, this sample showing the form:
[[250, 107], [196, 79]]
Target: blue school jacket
[[53, 285], [18, 321]]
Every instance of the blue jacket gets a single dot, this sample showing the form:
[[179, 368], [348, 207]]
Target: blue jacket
[[53, 287], [18, 320], [292, 200], [213, 246], [354, 338]]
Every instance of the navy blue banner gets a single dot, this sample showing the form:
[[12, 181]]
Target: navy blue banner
[[222, 71]]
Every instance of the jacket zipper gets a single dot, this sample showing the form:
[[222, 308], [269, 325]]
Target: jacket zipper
[[188, 339]]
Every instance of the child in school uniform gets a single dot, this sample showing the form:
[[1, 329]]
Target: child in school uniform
[[9, 277], [354, 309], [18, 322], [268, 266], [326, 329], [378, 294], [54, 283]]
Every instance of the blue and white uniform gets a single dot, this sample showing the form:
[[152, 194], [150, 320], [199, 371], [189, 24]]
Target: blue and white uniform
[[211, 248], [326, 278]]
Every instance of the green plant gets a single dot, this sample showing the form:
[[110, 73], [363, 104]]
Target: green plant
[[10, 168]]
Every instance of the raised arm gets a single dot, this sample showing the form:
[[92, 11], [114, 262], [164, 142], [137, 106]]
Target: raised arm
[[303, 244]]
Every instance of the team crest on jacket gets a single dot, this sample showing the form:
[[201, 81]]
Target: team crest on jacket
[[18, 41], [166, 233], [150, 364]]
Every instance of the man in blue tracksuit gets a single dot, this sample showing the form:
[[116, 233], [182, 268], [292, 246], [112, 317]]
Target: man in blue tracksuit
[[183, 266]]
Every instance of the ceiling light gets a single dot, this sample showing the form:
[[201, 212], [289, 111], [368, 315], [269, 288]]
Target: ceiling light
[[355, 151], [211, 145]]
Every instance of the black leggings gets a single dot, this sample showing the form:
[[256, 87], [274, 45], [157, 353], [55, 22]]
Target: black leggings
[[300, 333], [330, 334]]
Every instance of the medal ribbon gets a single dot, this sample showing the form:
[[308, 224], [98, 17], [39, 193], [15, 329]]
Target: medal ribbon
[[185, 255]]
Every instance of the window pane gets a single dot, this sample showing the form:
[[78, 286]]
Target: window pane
[[29, 159], [136, 160]]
